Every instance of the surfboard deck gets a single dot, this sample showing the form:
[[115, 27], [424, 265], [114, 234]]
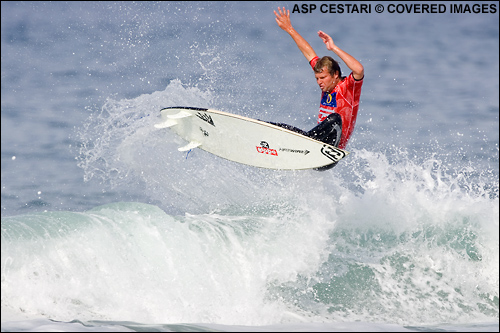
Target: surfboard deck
[[246, 140]]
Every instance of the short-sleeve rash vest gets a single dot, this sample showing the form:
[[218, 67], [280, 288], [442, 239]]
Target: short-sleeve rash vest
[[344, 100]]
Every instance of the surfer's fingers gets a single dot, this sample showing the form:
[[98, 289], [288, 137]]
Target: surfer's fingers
[[284, 12]]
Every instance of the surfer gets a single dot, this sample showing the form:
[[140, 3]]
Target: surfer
[[339, 95]]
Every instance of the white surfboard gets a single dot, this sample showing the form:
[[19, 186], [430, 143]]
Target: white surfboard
[[248, 141]]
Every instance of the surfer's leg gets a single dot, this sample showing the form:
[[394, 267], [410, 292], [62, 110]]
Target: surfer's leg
[[328, 131]]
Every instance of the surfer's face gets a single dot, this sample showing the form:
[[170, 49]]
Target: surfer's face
[[325, 80]]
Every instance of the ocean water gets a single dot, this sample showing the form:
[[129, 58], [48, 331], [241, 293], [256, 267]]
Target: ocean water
[[107, 227]]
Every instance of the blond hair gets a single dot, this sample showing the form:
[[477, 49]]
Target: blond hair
[[331, 65]]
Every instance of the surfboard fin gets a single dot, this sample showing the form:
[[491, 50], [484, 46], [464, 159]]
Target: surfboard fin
[[171, 119], [191, 145], [167, 123], [180, 114]]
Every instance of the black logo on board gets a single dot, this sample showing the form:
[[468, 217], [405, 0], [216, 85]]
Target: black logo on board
[[299, 151], [205, 117], [332, 153]]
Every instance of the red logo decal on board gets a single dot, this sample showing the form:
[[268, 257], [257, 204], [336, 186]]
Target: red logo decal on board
[[264, 149], [267, 151]]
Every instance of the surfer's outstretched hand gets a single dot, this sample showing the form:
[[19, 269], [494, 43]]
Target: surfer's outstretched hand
[[327, 40], [283, 19]]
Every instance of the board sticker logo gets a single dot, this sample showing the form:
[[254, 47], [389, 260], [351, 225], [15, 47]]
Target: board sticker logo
[[205, 133], [332, 153], [205, 117], [297, 151], [264, 149]]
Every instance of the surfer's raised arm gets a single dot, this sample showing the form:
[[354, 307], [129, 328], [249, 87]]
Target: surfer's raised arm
[[283, 20], [354, 65]]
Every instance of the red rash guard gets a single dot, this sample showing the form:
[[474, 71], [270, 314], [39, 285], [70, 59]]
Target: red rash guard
[[344, 100]]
